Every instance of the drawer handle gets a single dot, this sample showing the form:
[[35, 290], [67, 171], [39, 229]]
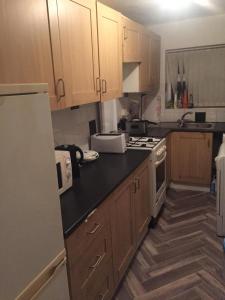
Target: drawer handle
[[91, 214], [103, 296], [95, 229], [99, 259]]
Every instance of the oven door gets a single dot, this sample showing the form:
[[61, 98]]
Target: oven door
[[160, 169]]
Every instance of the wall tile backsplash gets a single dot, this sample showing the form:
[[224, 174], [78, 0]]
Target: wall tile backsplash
[[72, 126]]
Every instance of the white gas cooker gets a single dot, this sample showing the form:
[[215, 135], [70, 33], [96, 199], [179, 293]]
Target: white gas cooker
[[143, 143]]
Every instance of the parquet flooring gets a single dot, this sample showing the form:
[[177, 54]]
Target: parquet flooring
[[182, 258]]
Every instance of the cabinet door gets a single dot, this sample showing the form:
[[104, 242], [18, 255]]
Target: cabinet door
[[25, 52], [191, 157], [155, 62], [75, 51], [141, 202], [145, 75], [131, 41], [122, 229], [110, 52]]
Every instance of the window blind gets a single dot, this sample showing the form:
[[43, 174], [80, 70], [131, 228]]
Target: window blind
[[204, 71]]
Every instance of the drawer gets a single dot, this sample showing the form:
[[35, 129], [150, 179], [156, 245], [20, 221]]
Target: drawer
[[89, 250], [91, 259], [83, 237], [101, 286]]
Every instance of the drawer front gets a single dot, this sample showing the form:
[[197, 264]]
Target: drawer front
[[101, 287], [92, 259], [89, 250], [92, 228]]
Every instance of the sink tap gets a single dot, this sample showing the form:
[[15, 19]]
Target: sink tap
[[181, 121]]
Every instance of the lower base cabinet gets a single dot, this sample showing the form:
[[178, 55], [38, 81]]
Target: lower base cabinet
[[191, 158], [100, 249]]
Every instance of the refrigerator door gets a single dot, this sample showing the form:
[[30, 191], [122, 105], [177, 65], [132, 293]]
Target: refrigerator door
[[30, 217]]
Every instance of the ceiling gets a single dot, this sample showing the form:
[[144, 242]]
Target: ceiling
[[149, 11]]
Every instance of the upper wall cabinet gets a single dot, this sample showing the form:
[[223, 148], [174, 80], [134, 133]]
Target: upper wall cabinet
[[25, 52], [155, 51], [145, 66], [110, 51], [144, 76], [131, 41], [73, 27]]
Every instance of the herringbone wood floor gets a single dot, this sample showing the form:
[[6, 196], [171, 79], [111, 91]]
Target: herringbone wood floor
[[182, 258]]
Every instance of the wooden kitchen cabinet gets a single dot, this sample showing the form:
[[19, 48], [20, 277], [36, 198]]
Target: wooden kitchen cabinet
[[145, 66], [131, 41], [109, 238], [155, 52], [191, 158], [110, 51], [129, 218], [168, 160], [73, 27], [89, 253], [141, 202], [122, 225], [25, 52]]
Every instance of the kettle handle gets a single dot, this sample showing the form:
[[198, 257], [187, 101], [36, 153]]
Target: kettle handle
[[77, 149]]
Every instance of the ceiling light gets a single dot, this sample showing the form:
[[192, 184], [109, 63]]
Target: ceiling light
[[174, 4]]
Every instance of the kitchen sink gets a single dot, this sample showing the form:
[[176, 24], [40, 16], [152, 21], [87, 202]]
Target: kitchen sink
[[198, 125]]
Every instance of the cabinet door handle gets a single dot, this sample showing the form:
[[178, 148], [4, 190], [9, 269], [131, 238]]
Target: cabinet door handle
[[59, 94], [135, 187], [99, 259], [98, 85], [138, 183], [94, 229], [104, 86], [125, 35], [103, 296]]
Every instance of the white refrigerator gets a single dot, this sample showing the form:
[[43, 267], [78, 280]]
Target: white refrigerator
[[32, 253]]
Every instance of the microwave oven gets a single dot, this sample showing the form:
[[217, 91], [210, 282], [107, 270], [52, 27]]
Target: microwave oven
[[64, 170]]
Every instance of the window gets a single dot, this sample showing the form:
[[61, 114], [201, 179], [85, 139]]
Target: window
[[195, 77]]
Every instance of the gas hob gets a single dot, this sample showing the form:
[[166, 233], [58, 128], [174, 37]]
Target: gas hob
[[143, 143]]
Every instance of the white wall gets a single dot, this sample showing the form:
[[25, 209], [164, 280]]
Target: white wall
[[187, 33], [72, 126]]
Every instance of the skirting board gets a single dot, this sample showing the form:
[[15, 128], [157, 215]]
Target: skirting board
[[189, 187]]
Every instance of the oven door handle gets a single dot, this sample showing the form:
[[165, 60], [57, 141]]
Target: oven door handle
[[157, 163]]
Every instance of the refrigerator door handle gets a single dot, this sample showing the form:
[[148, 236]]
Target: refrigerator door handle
[[39, 283]]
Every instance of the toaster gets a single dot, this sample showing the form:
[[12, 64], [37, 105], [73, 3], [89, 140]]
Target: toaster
[[109, 143]]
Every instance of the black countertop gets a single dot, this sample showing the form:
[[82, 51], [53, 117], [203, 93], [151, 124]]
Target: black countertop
[[97, 181], [164, 128]]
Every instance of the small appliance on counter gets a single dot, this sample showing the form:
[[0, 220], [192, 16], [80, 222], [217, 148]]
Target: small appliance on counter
[[64, 170], [138, 127], [109, 143], [73, 150]]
